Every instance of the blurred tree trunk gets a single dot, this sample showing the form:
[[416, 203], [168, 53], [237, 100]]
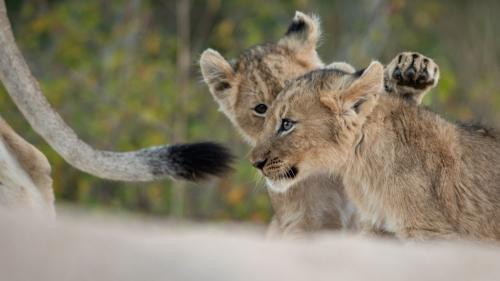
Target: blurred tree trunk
[[181, 122]]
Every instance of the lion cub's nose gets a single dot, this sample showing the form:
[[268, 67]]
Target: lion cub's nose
[[259, 164]]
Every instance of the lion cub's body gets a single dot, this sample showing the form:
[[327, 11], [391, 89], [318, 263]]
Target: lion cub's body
[[255, 78], [317, 203], [420, 176], [259, 74], [407, 170]]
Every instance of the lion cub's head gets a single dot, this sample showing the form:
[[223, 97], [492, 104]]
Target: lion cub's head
[[246, 88], [315, 117]]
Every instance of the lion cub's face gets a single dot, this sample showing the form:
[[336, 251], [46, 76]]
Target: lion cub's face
[[246, 88], [315, 117]]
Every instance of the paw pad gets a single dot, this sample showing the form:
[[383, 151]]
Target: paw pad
[[413, 70]]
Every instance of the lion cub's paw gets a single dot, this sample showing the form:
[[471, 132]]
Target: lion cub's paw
[[414, 70], [410, 75]]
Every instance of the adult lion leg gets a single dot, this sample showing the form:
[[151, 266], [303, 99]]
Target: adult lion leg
[[25, 175]]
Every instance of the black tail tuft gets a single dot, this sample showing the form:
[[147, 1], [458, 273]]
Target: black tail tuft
[[196, 161]]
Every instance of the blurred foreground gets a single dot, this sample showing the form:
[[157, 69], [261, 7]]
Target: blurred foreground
[[78, 248]]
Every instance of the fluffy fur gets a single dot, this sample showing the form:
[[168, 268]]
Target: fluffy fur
[[191, 161], [408, 171], [256, 77]]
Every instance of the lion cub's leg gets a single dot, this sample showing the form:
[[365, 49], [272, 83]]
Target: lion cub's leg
[[418, 234], [369, 229], [274, 229], [297, 230], [410, 76]]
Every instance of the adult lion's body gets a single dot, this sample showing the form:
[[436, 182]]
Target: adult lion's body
[[25, 175]]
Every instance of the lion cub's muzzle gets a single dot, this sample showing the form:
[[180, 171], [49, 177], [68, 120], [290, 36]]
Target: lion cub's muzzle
[[275, 169]]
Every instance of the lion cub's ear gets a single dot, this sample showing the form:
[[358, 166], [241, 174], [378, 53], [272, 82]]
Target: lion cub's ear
[[303, 33], [362, 95], [218, 74]]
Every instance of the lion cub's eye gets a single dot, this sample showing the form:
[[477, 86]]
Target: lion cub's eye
[[286, 125], [260, 109]]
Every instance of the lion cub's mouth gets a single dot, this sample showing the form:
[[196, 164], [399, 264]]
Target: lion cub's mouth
[[289, 174], [277, 170], [280, 182]]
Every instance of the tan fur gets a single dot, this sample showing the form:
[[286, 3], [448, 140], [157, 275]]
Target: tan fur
[[25, 175], [408, 171], [257, 77]]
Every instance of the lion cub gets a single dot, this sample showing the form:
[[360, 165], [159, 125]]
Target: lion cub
[[407, 170], [246, 89]]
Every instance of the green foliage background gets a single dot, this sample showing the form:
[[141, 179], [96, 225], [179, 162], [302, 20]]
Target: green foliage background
[[109, 68]]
